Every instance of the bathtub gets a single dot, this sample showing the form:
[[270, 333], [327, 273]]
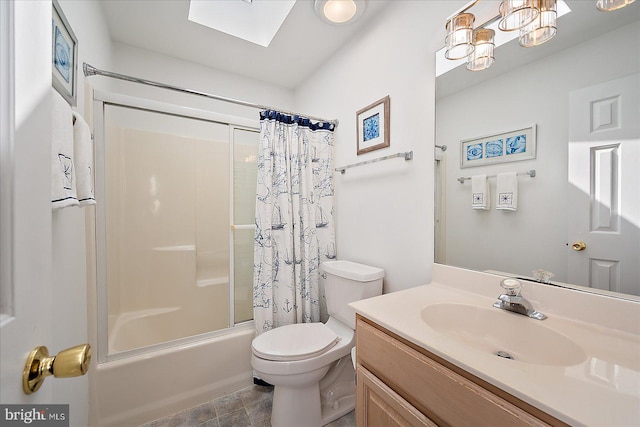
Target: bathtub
[[141, 388]]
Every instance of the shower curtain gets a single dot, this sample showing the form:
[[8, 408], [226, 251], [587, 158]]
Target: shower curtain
[[294, 219]]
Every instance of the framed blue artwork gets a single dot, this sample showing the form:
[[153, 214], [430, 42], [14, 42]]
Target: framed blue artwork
[[64, 55], [372, 126], [510, 146]]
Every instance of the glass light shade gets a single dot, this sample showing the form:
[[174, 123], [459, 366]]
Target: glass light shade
[[339, 11], [459, 39], [543, 28], [482, 56], [611, 5], [515, 14]]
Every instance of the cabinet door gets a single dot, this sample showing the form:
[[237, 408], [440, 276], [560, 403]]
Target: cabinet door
[[378, 405]]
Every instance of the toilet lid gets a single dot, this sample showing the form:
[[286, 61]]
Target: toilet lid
[[295, 342]]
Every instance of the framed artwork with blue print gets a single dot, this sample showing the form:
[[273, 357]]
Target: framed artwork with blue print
[[372, 126], [64, 55], [510, 146]]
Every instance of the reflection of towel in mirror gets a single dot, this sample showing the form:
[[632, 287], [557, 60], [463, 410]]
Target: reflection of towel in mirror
[[63, 179], [507, 191], [480, 192], [83, 158]]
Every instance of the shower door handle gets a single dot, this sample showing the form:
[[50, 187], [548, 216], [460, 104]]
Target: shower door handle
[[72, 362], [243, 226]]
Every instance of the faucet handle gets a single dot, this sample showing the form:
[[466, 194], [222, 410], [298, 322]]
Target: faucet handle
[[511, 286]]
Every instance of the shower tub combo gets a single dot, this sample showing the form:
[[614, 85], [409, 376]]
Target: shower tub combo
[[174, 250]]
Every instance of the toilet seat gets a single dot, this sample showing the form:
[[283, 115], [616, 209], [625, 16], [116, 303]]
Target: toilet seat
[[295, 342]]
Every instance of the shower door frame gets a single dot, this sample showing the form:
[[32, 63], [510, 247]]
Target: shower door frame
[[102, 99]]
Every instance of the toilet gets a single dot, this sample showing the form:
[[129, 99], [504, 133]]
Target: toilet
[[309, 364]]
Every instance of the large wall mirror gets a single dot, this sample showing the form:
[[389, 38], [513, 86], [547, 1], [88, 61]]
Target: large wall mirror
[[580, 91]]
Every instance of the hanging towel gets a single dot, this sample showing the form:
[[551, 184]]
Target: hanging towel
[[63, 181], [83, 160], [507, 191], [480, 192]]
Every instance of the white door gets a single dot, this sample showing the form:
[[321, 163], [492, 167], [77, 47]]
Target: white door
[[604, 186], [43, 293]]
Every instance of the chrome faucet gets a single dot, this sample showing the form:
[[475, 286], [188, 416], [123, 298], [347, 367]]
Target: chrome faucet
[[512, 301]]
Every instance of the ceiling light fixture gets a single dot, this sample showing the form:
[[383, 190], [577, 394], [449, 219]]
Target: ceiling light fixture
[[543, 28], [611, 5], [517, 13], [339, 11], [477, 46], [482, 56], [459, 39]]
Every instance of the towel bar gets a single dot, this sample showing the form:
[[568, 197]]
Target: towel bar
[[408, 155], [531, 173]]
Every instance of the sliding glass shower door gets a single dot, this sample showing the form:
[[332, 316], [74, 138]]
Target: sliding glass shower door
[[177, 200]]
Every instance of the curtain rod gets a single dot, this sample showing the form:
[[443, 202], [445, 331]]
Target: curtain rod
[[90, 70]]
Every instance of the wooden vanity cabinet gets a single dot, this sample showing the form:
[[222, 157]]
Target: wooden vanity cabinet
[[401, 384]]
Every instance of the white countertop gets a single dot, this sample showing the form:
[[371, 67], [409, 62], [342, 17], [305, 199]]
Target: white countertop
[[602, 390]]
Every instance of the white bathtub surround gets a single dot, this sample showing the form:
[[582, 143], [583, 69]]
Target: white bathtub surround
[[599, 387], [216, 366], [294, 219]]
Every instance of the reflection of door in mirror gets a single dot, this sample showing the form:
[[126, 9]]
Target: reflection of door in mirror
[[604, 182]]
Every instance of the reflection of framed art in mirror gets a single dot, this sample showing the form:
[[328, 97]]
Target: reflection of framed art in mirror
[[511, 146]]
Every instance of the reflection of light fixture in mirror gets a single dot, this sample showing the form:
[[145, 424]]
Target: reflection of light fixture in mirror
[[459, 36], [339, 11], [482, 56], [543, 28], [515, 14], [611, 5]]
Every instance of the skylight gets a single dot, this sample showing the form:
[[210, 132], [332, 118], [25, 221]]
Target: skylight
[[256, 21]]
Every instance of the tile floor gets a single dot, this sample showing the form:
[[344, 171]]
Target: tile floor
[[249, 407]]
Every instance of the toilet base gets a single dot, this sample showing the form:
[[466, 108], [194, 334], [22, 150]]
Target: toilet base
[[318, 403], [338, 390], [295, 407]]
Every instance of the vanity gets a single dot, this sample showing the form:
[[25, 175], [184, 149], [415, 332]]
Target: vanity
[[441, 354]]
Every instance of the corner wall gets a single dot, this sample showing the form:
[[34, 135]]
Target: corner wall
[[150, 65], [384, 211], [69, 245]]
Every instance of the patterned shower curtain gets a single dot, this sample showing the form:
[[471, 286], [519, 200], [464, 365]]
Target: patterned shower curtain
[[294, 220]]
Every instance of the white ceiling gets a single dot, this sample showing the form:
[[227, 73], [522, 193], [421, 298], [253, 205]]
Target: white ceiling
[[304, 41], [299, 47]]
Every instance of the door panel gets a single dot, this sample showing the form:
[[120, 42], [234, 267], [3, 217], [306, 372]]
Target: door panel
[[47, 308], [604, 201]]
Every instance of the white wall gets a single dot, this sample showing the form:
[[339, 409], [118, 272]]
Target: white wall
[[384, 211], [149, 65], [69, 256], [536, 235]]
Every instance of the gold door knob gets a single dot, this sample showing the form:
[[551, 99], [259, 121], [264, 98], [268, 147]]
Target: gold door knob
[[579, 246], [72, 362]]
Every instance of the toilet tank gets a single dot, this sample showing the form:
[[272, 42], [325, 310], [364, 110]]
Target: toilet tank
[[347, 282]]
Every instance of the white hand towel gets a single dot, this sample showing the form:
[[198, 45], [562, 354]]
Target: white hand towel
[[480, 192], [63, 181], [507, 190], [83, 159]]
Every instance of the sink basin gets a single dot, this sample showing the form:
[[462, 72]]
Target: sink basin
[[504, 334]]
